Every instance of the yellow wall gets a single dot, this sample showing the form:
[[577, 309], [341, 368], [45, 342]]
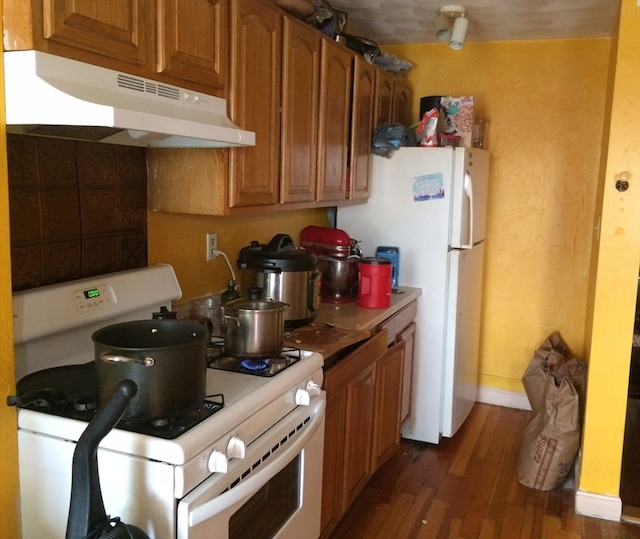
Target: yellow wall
[[614, 270], [545, 103], [8, 442], [180, 240]]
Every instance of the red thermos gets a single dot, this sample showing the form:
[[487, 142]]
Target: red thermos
[[374, 285]]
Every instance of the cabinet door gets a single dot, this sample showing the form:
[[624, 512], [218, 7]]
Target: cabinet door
[[386, 432], [336, 74], [359, 424], [255, 102], [362, 128], [407, 336], [193, 40], [108, 32], [402, 104], [300, 75], [350, 387], [384, 98]]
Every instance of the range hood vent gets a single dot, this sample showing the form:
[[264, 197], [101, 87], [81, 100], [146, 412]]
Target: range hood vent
[[48, 95]]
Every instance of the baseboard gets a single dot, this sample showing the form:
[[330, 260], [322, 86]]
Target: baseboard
[[598, 505], [501, 397]]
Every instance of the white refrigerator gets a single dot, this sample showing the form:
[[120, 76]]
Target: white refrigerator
[[431, 203]]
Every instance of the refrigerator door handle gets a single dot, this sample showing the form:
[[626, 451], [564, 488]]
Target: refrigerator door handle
[[468, 191]]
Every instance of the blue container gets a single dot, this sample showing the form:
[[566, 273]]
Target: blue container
[[393, 254]]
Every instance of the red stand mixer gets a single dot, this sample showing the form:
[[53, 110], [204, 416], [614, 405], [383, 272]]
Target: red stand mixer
[[338, 257]]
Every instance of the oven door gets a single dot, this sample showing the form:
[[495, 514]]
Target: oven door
[[275, 491]]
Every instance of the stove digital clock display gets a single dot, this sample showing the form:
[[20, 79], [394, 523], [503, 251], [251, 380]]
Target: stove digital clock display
[[92, 293], [97, 297]]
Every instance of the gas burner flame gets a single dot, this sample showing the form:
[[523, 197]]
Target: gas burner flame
[[255, 364]]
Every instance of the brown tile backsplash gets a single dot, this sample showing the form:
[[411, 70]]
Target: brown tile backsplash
[[56, 163], [77, 209]]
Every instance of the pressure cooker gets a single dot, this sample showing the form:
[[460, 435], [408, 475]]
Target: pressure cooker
[[286, 274]]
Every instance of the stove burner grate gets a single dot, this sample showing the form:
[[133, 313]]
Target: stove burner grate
[[266, 367], [170, 428], [72, 392]]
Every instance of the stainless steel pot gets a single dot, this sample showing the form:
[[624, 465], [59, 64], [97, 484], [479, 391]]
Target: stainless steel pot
[[165, 358], [254, 328]]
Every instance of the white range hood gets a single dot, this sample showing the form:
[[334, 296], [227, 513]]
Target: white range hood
[[48, 95]]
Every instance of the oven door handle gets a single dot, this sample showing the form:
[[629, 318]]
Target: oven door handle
[[251, 485]]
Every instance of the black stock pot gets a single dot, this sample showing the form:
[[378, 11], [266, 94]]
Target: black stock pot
[[165, 358]]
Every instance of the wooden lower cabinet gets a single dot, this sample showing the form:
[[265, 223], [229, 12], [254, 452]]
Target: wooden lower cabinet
[[408, 336], [387, 419], [362, 426], [358, 426]]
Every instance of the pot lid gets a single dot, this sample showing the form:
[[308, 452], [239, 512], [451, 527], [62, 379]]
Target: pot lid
[[280, 254]]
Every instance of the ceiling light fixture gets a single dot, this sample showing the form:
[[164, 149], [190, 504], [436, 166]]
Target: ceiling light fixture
[[452, 25]]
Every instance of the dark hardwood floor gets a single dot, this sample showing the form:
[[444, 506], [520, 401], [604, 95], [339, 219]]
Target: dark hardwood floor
[[467, 487]]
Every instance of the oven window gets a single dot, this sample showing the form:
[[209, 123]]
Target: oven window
[[269, 508]]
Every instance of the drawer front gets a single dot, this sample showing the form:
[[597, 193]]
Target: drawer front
[[396, 323]]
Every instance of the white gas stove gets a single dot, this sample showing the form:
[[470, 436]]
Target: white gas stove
[[218, 478]]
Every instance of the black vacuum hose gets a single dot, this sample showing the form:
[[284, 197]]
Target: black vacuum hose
[[87, 515]]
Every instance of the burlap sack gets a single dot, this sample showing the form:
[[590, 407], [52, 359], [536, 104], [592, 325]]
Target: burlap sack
[[551, 440]]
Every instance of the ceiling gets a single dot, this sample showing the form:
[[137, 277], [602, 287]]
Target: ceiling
[[412, 21]]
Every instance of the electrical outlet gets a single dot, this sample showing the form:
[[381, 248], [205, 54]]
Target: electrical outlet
[[212, 245]]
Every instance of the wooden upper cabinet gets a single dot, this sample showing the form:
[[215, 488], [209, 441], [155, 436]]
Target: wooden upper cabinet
[[180, 42], [336, 77], [254, 99], [402, 104], [384, 98], [193, 40], [362, 128], [104, 32], [393, 100], [300, 87]]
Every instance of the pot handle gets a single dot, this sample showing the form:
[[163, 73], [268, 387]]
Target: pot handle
[[313, 290], [228, 316], [114, 358]]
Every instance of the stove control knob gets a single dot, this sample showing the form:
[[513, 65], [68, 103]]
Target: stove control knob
[[302, 397], [313, 388], [235, 448], [217, 462]]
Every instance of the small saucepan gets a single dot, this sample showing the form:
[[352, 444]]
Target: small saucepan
[[254, 328]]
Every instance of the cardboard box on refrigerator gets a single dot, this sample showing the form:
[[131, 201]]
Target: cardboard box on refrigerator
[[459, 117]]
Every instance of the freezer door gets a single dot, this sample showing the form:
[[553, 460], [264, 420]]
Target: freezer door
[[460, 380]]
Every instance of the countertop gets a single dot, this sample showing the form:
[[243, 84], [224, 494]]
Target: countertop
[[350, 316], [338, 326]]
